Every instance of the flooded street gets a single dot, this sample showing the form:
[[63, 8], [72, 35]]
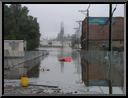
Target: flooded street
[[66, 75], [61, 51]]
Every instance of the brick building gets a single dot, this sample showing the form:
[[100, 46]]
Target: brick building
[[93, 62], [98, 35]]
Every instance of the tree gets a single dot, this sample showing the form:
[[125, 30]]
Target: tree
[[18, 25]]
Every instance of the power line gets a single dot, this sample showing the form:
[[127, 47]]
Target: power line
[[83, 11], [87, 14], [108, 19], [88, 6], [114, 10]]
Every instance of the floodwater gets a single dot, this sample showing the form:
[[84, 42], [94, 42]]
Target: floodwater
[[66, 75], [70, 77]]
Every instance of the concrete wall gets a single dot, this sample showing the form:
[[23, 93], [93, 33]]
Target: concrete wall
[[15, 48], [19, 45]]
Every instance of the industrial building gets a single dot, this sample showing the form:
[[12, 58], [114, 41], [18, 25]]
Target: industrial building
[[98, 34], [94, 42]]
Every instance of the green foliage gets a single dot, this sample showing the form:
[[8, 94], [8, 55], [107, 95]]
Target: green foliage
[[18, 25]]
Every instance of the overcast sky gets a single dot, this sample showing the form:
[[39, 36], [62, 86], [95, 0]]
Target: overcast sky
[[49, 16]]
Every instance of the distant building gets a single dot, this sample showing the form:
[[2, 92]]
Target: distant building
[[67, 43], [44, 42], [56, 44], [98, 35], [61, 34], [14, 48]]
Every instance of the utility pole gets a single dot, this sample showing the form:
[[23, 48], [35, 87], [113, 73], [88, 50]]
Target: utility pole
[[110, 31], [87, 43], [86, 13], [84, 40], [87, 29], [79, 32], [76, 33]]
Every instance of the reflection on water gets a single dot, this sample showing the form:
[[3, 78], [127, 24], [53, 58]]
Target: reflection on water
[[85, 69], [77, 60], [95, 68], [66, 75], [61, 63], [62, 66], [34, 72]]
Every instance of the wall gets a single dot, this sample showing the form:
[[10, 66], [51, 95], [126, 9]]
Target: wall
[[18, 50], [19, 46], [101, 32]]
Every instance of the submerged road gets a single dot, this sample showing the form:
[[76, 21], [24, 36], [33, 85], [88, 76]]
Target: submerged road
[[55, 77], [66, 75]]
